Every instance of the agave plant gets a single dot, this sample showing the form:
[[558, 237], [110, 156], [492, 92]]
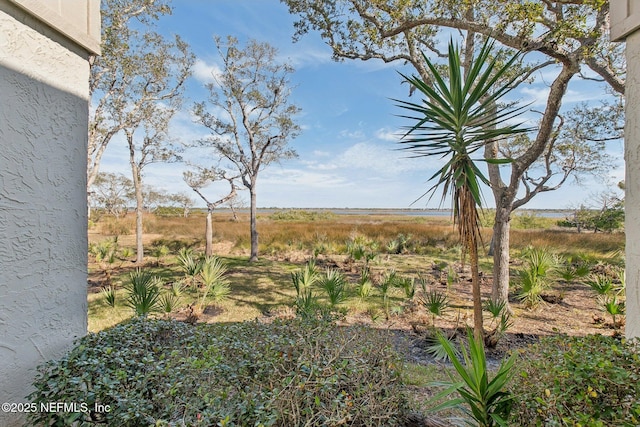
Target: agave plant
[[459, 114]]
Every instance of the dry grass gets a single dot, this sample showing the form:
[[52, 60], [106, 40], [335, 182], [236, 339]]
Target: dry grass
[[265, 286]]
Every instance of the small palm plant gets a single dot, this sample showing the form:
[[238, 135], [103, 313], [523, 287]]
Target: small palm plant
[[335, 284], [436, 304], [159, 252], [538, 263], [459, 115], [303, 280], [365, 285], [109, 294], [611, 293], [190, 264], [214, 284], [499, 323], [144, 292], [388, 281]]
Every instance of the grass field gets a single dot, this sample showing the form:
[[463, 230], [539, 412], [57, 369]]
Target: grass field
[[288, 239]]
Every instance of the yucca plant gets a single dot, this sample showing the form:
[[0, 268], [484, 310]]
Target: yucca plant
[[459, 114], [214, 284], [485, 401], [144, 292]]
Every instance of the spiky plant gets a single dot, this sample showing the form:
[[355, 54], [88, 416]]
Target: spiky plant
[[159, 252], [168, 303], [305, 277], [538, 263], [214, 284], [109, 294], [190, 264], [459, 114], [601, 284], [144, 292], [335, 285], [365, 285], [436, 303]]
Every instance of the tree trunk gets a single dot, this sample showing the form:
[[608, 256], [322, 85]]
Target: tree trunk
[[139, 211], [501, 228], [209, 235], [137, 186], [478, 328], [254, 229]]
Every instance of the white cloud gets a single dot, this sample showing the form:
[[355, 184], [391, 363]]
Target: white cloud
[[293, 177], [306, 56], [381, 160], [351, 134], [204, 72], [387, 134]]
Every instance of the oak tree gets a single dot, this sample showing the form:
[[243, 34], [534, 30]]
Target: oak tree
[[567, 40], [249, 114], [198, 180]]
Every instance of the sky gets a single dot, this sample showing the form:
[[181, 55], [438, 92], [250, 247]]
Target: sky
[[348, 153]]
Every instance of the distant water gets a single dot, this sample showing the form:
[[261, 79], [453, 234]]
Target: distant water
[[543, 213]]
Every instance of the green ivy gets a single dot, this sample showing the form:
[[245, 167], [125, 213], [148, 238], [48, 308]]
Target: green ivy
[[167, 373], [579, 381]]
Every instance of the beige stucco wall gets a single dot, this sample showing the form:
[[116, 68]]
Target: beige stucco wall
[[44, 99], [632, 184], [625, 25]]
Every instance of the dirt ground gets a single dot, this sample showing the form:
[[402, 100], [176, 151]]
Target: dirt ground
[[570, 308]]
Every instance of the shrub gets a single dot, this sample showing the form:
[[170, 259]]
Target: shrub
[[162, 372], [571, 381], [301, 215]]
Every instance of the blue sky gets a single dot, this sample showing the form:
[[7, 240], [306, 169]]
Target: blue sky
[[348, 154]]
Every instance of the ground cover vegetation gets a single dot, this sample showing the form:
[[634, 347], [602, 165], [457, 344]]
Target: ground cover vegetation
[[399, 278]]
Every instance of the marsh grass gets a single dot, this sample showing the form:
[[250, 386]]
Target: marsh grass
[[265, 286]]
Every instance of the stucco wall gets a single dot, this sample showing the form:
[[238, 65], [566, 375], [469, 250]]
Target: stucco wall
[[632, 185], [43, 254]]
